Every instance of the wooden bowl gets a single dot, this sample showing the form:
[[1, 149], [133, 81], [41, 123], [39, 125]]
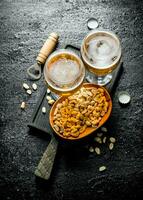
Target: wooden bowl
[[88, 130]]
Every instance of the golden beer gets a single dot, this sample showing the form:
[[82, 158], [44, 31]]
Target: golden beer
[[64, 72], [101, 54]]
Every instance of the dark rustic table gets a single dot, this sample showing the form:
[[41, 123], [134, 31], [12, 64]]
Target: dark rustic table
[[24, 26]]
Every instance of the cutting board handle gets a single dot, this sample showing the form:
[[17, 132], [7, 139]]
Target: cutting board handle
[[47, 48], [45, 165]]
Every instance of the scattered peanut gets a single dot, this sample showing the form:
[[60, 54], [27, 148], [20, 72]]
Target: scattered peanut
[[43, 110], [34, 86], [22, 105], [25, 86], [51, 101], [104, 140], [97, 150], [104, 129], [48, 91], [112, 139], [48, 97], [111, 146], [99, 134], [98, 139], [102, 168], [29, 92], [91, 149]]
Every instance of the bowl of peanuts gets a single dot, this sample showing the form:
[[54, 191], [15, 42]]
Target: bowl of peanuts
[[78, 115]]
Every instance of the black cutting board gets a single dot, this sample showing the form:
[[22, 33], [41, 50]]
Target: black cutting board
[[40, 122]]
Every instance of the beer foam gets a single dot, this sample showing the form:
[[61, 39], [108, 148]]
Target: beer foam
[[64, 71], [102, 50]]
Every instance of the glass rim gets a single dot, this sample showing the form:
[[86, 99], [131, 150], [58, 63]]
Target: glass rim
[[50, 79]]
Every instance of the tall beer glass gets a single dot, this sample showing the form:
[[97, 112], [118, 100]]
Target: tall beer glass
[[101, 54]]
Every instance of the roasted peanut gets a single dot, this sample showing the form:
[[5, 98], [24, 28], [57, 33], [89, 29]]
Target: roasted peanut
[[56, 128], [88, 123], [83, 109]]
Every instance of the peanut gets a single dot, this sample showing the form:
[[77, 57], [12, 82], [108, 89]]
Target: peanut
[[83, 109]]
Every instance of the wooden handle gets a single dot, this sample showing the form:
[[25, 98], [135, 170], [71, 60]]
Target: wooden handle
[[47, 48], [45, 165]]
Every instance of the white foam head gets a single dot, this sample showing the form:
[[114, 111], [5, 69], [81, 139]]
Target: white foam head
[[102, 50], [64, 71]]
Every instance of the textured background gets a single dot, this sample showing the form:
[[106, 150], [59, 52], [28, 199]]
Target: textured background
[[24, 26]]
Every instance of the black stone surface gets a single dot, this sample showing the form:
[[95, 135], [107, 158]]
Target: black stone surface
[[24, 26]]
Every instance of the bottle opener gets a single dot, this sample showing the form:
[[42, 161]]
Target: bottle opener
[[34, 72]]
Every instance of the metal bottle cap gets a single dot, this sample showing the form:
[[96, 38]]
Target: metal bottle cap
[[92, 23], [124, 97]]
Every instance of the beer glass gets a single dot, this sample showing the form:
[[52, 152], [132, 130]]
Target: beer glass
[[64, 72], [101, 54]]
